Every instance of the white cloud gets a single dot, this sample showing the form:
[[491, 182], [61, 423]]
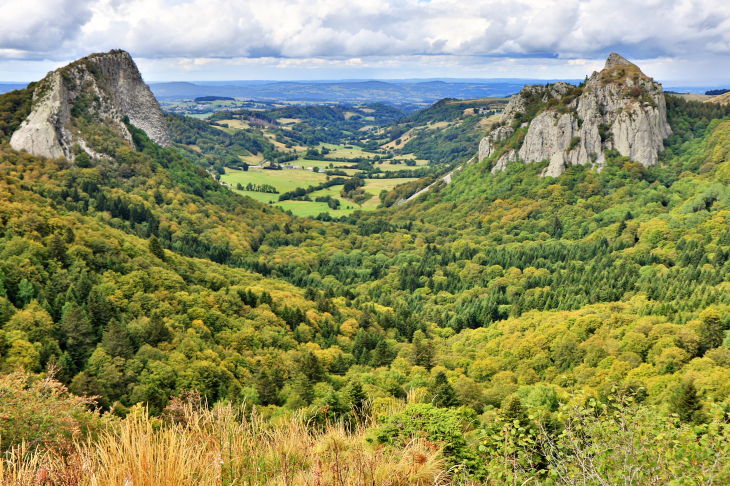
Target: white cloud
[[367, 29]]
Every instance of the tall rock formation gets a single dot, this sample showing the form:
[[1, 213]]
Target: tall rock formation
[[619, 108], [107, 87]]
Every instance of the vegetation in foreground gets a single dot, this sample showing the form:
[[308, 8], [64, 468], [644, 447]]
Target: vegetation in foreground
[[588, 442], [492, 300]]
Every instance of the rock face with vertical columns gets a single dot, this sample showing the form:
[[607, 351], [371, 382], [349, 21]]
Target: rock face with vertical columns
[[102, 88]]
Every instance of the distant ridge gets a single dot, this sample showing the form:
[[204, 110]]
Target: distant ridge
[[350, 91]]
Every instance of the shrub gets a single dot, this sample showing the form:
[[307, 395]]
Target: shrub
[[445, 426], [39, 411], [573, 143]]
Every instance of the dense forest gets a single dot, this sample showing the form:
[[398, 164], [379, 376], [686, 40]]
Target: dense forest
[[492, 316]]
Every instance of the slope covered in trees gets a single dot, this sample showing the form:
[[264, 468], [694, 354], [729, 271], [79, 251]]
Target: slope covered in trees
[[482, 302]]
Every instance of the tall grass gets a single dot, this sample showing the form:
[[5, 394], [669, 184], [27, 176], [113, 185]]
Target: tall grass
[[226, 446]]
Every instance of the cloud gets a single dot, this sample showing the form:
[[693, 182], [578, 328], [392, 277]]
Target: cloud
[[363, 29], [38, 28]]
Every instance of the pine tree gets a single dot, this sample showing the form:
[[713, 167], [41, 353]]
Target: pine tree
[[83, 286], [711, 334], [357, 398], [78, 335], [381, 355], [304, 388], [157, 331], [424, 354], [444, 395], [688, 406], [312, 368], [158, 197], [156, 248], [57, 249], [116, 341], [265, 387], [513, 410]]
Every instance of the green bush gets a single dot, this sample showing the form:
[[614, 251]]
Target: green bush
[[445, 426]]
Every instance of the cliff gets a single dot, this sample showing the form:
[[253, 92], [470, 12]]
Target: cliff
[[619, 108], [102, 89]]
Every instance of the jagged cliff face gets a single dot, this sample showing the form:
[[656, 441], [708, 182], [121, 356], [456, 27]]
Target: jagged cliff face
[[115, 87], [619, 108]]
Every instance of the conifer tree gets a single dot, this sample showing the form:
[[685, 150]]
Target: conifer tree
[[57, 249], [444, 394], [711, 334], [156, 248], [513, 410], [356, 397], [157, 331], [688, 405], [381, 355], [312, 368], [424, 353], [79, 338], [304, 388], [116, 340]]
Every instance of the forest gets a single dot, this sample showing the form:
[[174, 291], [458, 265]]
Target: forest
[[498, 329]]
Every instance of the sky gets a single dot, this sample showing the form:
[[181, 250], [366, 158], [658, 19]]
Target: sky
[[683, 42]]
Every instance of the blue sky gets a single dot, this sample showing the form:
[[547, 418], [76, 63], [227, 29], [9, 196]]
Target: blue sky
[[676, 41]]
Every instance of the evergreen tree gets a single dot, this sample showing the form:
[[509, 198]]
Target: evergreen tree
[[157, 331], [424, 354], [304, 388], [66, 368], [444, 395], [83, 286], [156, 248], [688, 405], [266, 388], [312, 368], [57, 249], [339, 365], [158, 197], [357, 398], [381, 355], [513, 410], [78, 335], [116, 341], [711, 332]]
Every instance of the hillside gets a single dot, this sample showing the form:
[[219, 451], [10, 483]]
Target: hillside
[[460, 337], [722, 99]]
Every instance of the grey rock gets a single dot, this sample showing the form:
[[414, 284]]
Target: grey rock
[[486, 146], [114, 81], [620, 101], [506, 158], [616, 60]]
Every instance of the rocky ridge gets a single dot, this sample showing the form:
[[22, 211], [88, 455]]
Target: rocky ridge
[[618, 108], [109, 86]]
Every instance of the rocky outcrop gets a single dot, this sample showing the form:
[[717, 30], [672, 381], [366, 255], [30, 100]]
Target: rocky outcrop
[[487, 145], [506, 158], [619, 108], [107, 87]]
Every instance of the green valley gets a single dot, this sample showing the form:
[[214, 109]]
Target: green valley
[[166, 283]]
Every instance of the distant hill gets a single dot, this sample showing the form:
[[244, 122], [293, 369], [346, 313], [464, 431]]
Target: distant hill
[[721, 100], [7, 87], [203, 99], [716, 92], [349, 92]]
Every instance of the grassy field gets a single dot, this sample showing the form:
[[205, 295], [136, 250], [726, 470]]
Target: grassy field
[[288, 180], [694, 96], [240, 124]]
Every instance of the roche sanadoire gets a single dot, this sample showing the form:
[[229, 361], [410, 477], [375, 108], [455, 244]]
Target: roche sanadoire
[[619, 108]]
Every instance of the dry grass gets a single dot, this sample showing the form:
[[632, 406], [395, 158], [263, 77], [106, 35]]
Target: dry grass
[[224, 446]]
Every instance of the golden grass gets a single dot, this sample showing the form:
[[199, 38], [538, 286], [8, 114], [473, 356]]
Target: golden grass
[[722, 99], [224, 446]]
